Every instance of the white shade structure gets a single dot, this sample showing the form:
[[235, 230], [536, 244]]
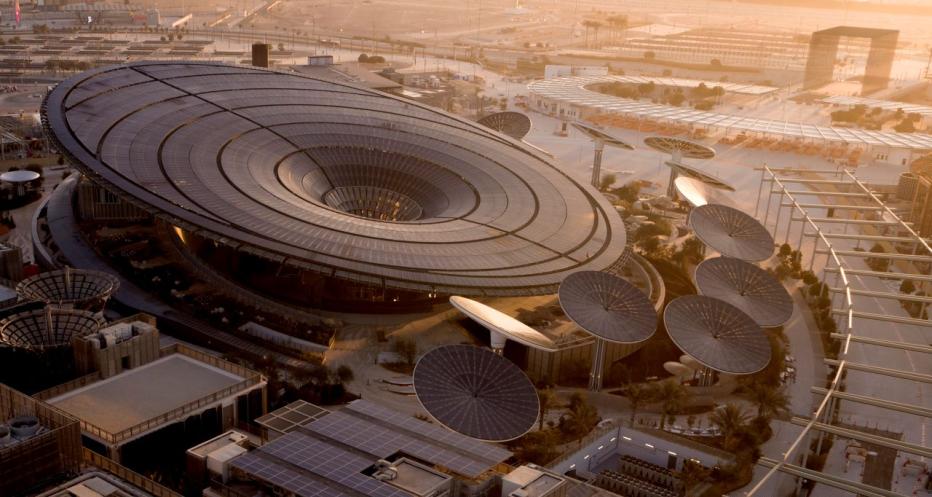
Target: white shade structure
[[501, 326]]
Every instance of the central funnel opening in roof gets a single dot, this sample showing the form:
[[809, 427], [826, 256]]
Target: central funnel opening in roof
[[378, 183], [374, 202]]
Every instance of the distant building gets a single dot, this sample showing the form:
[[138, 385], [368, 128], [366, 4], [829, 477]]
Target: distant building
[[558, 71], [261, 54], [320, 60], [38, 443], [11, 262]]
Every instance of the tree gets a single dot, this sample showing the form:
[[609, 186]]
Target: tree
[[673, 396], [729, 418], [770, 401], [345, 373], [538, 447], [907, 286], [547, 399], [580, 417], [363, 58], [638, 396], [628, 192], [693, 474], [880, 264], [406, 348], [607, 181]]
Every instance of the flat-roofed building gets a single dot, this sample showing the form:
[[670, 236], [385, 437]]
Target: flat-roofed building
[[181, 384]]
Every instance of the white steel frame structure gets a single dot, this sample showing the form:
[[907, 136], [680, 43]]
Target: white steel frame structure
[[794, 221]]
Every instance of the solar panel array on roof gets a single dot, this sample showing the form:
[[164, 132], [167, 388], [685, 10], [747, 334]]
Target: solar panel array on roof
[[310, 468], [289, 417], [327, 455]]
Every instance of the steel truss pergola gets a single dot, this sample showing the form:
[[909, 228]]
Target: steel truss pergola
[[788, 208]]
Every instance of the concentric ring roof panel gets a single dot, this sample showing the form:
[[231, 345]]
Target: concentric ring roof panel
[[333, 178]]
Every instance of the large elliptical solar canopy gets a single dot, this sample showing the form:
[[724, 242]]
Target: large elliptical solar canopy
[[609, 308], [679, 147], [599, 139], [501, 326], [731, 232], [513, 124], [747, 287], [332, 177], [476, 392], [596, 134], [69, 286], [42, 329], [717, 334]]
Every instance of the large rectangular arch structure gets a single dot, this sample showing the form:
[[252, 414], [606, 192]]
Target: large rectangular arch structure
[[823, 49]]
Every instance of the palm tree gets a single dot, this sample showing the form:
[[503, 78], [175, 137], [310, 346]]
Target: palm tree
[[638, 396], [730, 418], [546, 398], [693, 475], [596, 25], [770, 401], [588, 25], [673, 396], [580, 418]]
